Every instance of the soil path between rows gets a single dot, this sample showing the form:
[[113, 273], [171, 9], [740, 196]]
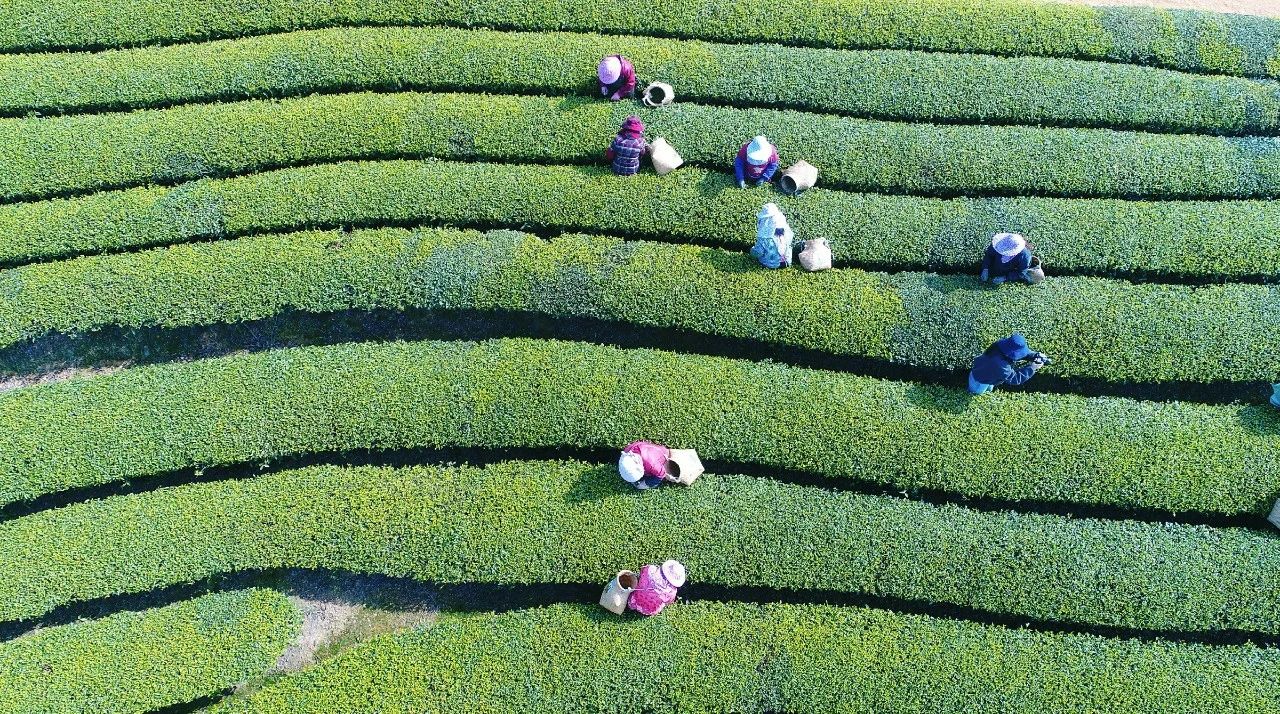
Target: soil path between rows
[[1269, 8]]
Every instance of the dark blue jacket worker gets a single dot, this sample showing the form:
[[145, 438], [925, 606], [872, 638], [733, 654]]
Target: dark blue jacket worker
[[1007, 258], [999, 365]]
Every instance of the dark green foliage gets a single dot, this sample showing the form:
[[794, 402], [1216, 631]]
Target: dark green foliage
[[777, 658], [1081, 235], [1099, 329], [551, 522], [1212, 42], [45, 157], [142, 661], [511, 393], [913, 85]]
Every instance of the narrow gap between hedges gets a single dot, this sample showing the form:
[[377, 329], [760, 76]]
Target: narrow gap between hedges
[[548, 232], [204, 37], [481, 456], [58, 357], [485, 597], [213, 99], [165, 181]]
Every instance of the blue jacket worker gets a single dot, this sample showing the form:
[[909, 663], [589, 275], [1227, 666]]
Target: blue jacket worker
[[999, 364], [1007, 258]]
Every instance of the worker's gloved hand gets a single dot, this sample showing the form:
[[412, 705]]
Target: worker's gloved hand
[[983, 276], [742, 184], [761, 182], [997, 280]]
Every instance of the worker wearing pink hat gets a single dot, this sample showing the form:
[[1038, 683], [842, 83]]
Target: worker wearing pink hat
[[617, 77], [628, 148], [656, 587]]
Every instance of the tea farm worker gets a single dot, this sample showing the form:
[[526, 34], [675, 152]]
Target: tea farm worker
[[656, 587], [773, 237], [1275, 395], [999, 365], [617, 77], [628, 147], [757, 161], [643, 464], [1007, 258]]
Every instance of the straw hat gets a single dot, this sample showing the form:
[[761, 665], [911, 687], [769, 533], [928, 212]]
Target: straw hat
[[610, 69], [759, 150], [630, 466], [1008, 244], [673, 573]]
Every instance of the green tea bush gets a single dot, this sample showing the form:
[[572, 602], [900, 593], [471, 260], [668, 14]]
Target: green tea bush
[[913, 85], [915, 318], [540, 522], [714, 657], [530, 393], [1101, 236], [143, 661], [1200, 42], [46, 157]]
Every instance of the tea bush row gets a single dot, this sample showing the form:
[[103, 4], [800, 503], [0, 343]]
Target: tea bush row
[[553, 522], [530, 393], [1098, 329], [912, 85], [143, 661], [704, 656], [46, 157], [1195, 41], [1101, 236]]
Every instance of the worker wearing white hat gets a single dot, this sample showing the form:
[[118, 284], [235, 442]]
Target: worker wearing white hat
[[1007, 258], [617, 77], [757, 161], [656, 587]]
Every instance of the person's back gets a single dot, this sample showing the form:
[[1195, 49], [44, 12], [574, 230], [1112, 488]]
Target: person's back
[[628, 147], [998, 365]]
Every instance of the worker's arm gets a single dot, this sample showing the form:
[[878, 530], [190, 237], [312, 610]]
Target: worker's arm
[[739, 168], [771, 168], [1019, 375]]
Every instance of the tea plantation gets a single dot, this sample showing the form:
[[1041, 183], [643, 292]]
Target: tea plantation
[[307, 305]]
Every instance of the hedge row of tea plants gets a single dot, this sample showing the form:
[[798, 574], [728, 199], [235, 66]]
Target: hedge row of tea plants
[[1099, 329], [532, 393], [1200, 42], [1100, 236], [913, 85], [553, 522], [143, 661], [705, 656], [47, 157]]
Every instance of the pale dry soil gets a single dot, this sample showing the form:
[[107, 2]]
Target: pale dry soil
[[1270, 8]]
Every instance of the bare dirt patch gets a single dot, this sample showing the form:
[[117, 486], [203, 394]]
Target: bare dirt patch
[[1269, 8]]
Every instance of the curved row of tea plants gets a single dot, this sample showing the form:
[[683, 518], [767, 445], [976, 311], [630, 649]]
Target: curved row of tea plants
[[552, 522], [1078, 235], [48, 157], [143, 661], [1200, 42], [1099, 329], [910, 85], [776, 658], [532, 393]]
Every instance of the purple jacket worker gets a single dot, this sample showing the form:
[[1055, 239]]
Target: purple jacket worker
[[757, 161]]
